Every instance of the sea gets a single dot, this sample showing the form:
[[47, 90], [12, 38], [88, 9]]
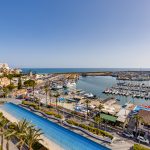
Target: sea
[[96, 84], [66, 70]]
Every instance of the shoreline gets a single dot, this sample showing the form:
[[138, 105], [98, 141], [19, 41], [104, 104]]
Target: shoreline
[[50, 145]]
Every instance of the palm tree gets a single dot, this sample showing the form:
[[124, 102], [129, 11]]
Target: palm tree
[[33, 136], [19, 83], [87, 101], [10, 77], [137, 119], [98, 120], [46, 93], [9, 133], [125, 123], [100, 107], [20, 132], [37, 100], [50, 94], [3, 123], [6, 91], [30, 83], [56, 96]]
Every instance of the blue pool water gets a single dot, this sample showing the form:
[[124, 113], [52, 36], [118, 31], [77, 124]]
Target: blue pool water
[[67, 139]]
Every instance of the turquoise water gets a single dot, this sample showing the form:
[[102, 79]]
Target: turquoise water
[[67, 139], [97, 84]]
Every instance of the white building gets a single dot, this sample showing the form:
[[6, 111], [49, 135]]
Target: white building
[[4, 66]]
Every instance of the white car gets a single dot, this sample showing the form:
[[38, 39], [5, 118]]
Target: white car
[[142, 139], [128, 134]]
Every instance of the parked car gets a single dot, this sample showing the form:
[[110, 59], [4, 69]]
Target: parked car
[[128, 134], [142, 139]]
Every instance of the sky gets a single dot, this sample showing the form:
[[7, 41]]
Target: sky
[[75, 33]]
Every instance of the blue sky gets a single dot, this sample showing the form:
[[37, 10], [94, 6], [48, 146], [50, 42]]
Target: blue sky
[[75, 33]]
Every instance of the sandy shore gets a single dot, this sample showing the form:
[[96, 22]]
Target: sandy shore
[[50, 145]]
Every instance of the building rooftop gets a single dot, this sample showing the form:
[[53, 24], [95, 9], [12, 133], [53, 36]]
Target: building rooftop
[[122, 114], [145, 115]]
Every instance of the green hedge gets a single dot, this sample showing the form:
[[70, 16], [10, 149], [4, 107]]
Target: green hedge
[[91, 129], [139, 147], [53, 114], [35, 106]]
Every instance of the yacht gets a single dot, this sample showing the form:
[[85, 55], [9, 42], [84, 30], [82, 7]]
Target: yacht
[[89, 95], [71, 84]]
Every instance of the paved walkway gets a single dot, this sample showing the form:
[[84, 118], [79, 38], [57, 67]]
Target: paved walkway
[[13, 100], [12, 146]]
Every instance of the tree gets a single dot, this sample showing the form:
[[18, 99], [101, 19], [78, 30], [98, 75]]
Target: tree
[[98, 120], [3, 123], [20, 129], [6, 91], [56, 100], [125, 123], [10, 77], [9, 133], [138, 119], [38, 101], [30, 83], [46, 89], [50, 94], [87, 101], [11, 87], [33, 136], [100, 107], [19, 83]]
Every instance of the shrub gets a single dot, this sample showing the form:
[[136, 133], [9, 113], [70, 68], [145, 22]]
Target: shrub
[[58, 116], [2, 102], [139, 147], [51, 113], [35, 106], [91, 129]]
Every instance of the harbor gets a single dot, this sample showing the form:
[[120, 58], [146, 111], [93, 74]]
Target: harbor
[[139, 90], [78, 102], [97, 86]]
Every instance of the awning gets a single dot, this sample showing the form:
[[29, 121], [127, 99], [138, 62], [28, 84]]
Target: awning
[[108, 117]]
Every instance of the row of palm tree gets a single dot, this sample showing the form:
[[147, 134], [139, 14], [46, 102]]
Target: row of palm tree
[[25, 133], [48, 93]]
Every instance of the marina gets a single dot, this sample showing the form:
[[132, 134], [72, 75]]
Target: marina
[[97, 86], [75, 75], [128, 89]]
